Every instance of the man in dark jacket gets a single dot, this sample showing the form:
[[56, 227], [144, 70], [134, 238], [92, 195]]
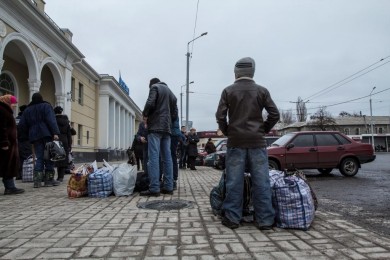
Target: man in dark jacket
[[160, 110], [192, 148], [39, 121], [243, 103], [24, 145], [66, 139]]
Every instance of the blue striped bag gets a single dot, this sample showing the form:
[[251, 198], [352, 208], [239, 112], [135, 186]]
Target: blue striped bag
[[100, 183], [292, 200]]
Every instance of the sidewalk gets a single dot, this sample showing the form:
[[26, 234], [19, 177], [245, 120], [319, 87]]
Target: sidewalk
[[45, 223]]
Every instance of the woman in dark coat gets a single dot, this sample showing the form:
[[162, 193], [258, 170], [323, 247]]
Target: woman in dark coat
[[9, 154], [66, 139], [192, 148]]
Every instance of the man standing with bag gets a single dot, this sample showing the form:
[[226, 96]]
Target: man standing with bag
[[243, 103], [39, 121], [160, 111]]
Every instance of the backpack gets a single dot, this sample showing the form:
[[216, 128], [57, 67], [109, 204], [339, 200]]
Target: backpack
[[142, 182], [217, 196]]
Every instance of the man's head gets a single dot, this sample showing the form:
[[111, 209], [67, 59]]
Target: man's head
[[245, 67], [153, 81], [183, 129], [192, 130], [37, 97], [58, 110]]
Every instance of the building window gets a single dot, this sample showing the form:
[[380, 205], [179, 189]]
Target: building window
[[357, 131], [73, 89], [380, 130], [87, 137], [346, 131], [81, 91], [79, 135], [6, 85]]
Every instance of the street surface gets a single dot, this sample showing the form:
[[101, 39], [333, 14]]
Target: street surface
[[363, 199]]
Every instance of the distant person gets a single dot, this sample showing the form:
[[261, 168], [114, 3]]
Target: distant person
[[183, 148], [210, 147], [24, 145], [192, 148], [243, 103], [9, 155], [40, 122], [65, 137], [142, 137], [138, 148], [160, 110]]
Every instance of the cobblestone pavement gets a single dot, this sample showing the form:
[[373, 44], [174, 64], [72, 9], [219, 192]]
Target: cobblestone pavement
[[45, 223]]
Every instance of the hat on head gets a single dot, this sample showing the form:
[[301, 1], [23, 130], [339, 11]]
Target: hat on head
[[13, 100], [58, 110], [153, 81], [245, 67]]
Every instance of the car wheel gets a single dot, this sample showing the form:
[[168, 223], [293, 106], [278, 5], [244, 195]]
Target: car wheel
[[349, 167], [272, 165], [325, 170]]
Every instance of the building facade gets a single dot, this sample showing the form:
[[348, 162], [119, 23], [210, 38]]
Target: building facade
[[38, 56]]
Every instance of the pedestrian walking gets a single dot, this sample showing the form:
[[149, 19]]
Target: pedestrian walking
[[192, 148], [175, 137], [9, 155], [65, 137], [24, 145], [160, 110], [40, 122], [239, 117]]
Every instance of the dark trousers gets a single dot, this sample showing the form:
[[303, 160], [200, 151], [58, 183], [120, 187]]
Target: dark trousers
[[174, 143], [191, 162]]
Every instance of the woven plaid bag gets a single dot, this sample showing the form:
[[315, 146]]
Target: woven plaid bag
[[28, 169], [100, 183], [292, 200]]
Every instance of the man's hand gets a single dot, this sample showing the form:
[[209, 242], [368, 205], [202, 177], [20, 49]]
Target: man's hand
[[143, 140], [55, 137]]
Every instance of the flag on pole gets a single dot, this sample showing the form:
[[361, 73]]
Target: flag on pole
[[123, 85]]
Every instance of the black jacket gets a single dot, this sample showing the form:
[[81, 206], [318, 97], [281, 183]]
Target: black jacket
[[160, 108], [65, 137], [192, 148], [243, 103]]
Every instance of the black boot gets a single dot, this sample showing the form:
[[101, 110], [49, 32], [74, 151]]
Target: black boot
[[61, 174], [37, 178], [49, 179]]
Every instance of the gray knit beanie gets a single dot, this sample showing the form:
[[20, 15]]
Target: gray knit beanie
[[245, 67]]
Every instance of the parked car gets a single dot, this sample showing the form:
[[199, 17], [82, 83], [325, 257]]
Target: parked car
[[209, 159], [322, 150], [219, 161]]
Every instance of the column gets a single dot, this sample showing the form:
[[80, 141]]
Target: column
[[104, 117], [1, 65], [33, 85], [111, 124], [117, 125]]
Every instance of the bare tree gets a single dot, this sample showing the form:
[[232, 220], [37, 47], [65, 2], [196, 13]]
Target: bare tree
[[286, 116], [323, 120], [346, 114], [301, 110]]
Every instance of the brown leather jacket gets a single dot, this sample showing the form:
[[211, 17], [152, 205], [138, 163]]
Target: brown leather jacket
[[243, 102]]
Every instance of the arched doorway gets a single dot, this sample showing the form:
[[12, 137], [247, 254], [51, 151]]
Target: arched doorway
[[7, 85]]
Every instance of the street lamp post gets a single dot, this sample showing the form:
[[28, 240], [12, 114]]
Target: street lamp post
[[188, 77], [372, 127], [181, 102]]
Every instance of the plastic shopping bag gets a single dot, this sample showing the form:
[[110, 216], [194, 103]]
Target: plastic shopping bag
[[124, 178]]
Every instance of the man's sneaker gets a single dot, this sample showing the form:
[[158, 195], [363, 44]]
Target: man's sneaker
[[13, 191], [149, 193], [164, 191], [226, 222]]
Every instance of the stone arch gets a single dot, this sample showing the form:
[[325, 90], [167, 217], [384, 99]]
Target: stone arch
[[14, 81], [58, 79], [27, 49]]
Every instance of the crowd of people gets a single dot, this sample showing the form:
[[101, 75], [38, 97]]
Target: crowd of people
[[158, 142], [27, 135]]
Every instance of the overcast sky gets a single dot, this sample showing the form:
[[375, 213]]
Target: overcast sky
[[302, 48]]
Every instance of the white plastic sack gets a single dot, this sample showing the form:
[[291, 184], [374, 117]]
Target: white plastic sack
[[124, 177]]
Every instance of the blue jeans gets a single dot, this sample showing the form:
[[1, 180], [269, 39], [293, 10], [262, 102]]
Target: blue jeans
[[159, 142], [257, 160], [40, 163], [174, 143]]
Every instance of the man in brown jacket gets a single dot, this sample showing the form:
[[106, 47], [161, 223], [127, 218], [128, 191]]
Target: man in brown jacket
[[243, 103]]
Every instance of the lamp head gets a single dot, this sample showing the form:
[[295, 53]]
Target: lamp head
[[203, 34]]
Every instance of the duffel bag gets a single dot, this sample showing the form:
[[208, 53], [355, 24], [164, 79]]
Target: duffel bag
[[292, 200], [28, 169], [100, 183]]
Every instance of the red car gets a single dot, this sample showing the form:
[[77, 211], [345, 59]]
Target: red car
[[322, 150]]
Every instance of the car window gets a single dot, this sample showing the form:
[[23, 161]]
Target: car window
[[326, 140], [283, 140], [303, 140], [342, 139]]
